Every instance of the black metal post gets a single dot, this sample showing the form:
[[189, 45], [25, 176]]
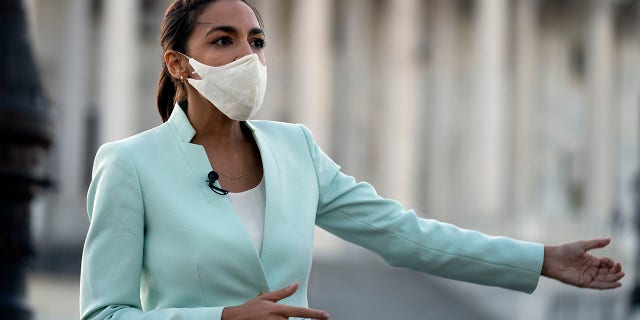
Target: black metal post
[[25, 135]]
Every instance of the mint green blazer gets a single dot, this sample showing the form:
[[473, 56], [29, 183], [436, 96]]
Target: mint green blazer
[[162, 245]]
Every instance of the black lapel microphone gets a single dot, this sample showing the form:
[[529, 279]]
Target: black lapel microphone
[[213, 177]]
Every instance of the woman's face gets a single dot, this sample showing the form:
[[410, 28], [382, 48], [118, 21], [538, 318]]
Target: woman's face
[[225, 30]]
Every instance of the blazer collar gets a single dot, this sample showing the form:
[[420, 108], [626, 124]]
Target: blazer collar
[[180, 125]]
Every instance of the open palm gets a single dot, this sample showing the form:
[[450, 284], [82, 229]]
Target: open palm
[[571, 263]]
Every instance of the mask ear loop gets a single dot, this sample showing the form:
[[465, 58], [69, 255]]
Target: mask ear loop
[[188, 58]]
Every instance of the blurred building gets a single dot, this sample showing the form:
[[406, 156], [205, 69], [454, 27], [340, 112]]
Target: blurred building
[[516, 117]]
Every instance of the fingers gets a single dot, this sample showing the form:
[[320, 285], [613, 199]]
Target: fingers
[[603, 285], [610, 281], [268, 303], [617, 267], [289, 311], [595, 243], [277, 295], [608, 277], [298, 312], [607, 263], [265, 306]]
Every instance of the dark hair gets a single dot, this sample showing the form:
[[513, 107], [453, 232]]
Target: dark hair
[[177, 25]]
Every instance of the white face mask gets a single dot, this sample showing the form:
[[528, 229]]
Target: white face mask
[[236, 89]]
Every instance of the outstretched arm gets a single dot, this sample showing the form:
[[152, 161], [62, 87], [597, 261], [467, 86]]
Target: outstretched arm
[[572, 264]]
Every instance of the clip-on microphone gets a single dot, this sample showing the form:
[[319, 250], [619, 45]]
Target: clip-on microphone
[[213, 177]]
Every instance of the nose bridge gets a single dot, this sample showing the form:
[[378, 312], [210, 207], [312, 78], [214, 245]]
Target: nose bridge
[[244, 50]]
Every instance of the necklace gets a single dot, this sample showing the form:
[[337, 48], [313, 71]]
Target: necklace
[[242, 167], [230, 177]]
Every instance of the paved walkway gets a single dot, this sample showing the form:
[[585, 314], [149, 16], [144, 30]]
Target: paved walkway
[[368, 289], [53, 297], [346, 291], [381, 293]]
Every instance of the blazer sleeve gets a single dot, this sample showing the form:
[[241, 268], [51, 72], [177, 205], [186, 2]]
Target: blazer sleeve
[[354, 212], [113, 250]]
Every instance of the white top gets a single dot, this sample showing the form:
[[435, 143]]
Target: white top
[[250, 206]]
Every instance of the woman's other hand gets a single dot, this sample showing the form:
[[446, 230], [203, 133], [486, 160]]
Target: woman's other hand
[[265, 307], [571, 263]]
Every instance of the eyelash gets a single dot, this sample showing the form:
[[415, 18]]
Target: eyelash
[[261, 44], [217, 41], [258, 43]]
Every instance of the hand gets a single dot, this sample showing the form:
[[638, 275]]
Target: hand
[[264, 307], [572, 264]]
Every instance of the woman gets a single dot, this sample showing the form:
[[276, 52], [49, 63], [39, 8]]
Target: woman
[[211, 216]]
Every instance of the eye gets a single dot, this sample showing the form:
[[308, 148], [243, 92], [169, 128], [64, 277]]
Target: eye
[[223, 41], [258, 43]]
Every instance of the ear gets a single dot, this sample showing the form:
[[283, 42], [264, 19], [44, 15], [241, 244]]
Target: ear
[[177, 64]]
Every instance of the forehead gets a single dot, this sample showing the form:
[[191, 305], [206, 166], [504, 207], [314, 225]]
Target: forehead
[[233, 13]]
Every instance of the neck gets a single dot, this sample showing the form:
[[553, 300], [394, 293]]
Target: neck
[[213, 128]]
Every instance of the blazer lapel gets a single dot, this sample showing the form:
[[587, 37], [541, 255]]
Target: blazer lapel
[[274, 233], [198, 161]]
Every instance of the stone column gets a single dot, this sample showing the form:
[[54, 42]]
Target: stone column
[[119, 70], [399, 134], [65, 64], [354, 88], [488, 160], [311, 65], [276, 102], [526, 38], [72, 106], [74, 99], [30, 7], [627, 92], [599, 57], [555, 123], [441, 117]]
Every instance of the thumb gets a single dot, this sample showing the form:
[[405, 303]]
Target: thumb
[[595, 243], [277, 295]]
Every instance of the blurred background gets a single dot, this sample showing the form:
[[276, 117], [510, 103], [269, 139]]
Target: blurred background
[[512, 117]]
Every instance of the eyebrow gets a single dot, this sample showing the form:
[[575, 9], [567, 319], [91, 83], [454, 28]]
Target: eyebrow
[[230, 29]]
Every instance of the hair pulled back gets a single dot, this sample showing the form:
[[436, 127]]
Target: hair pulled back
[[177, 25]]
